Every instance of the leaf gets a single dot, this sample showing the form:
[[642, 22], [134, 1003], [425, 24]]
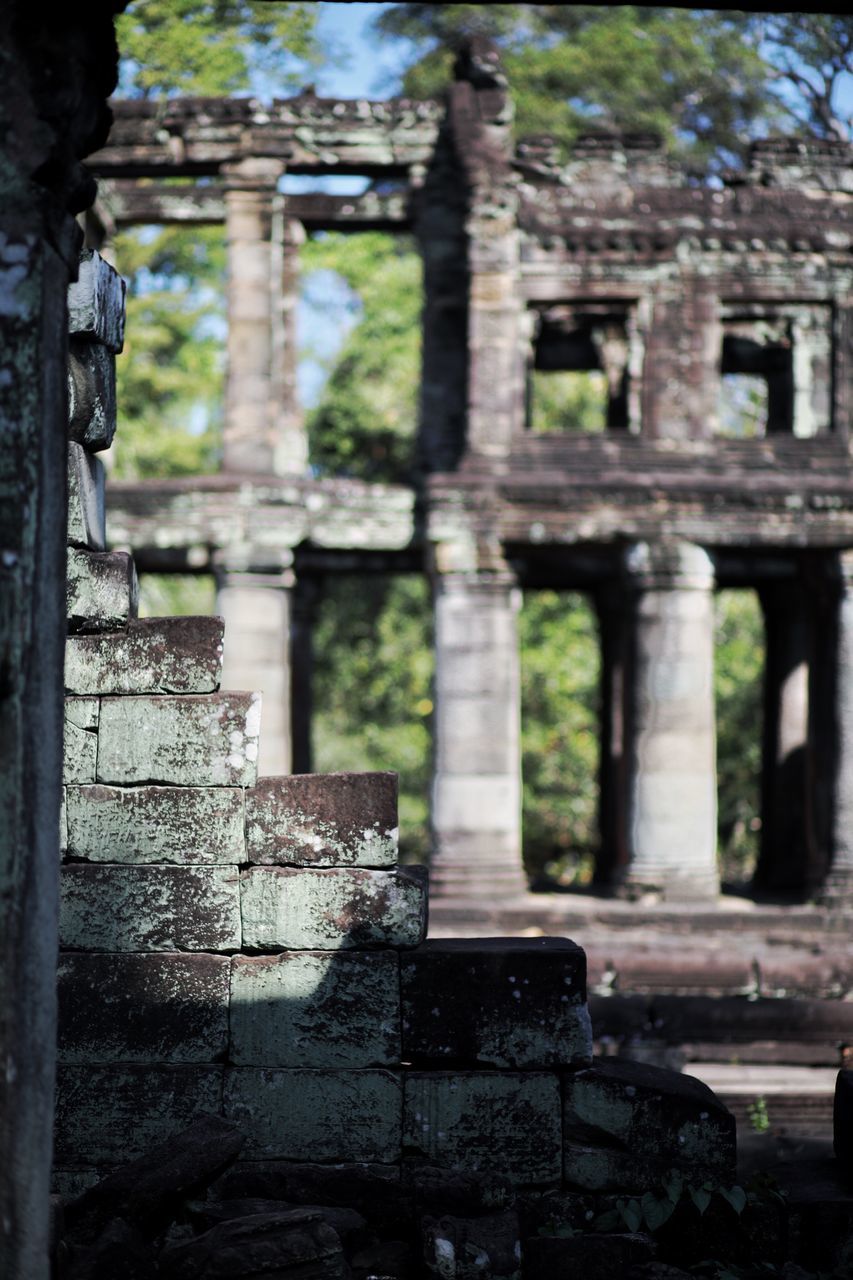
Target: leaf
[[656, 1210], [610, 1220], [700, 1197], [736, 1197], [632, 1215], [674, 1185]]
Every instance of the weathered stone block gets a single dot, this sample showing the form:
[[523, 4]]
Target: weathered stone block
[[316, 1009], [207, 740], [154, 655], [86, 513], [109, 908], [373, 1190], [625, 1124], [333, 819], [507, 1122], [311, 910], [183, 825], [289, 1242], [595, 1257], [80, 744], [102, 592], [143, 1008], [500, 1002], [96, 302], [109, 1115], [317, 1115], [91, 395], [63, 823]]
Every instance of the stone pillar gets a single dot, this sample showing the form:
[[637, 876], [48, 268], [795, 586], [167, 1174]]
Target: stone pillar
[[839, 882], [256, 610], [672, 792], [681, 369], [476, 802], [302, 618], [263, 433], [614, 626], [787, 836]]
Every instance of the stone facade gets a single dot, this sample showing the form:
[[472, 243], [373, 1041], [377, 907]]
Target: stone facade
[[610, 263]]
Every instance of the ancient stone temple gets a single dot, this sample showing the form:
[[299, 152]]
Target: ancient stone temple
[[615, 263]]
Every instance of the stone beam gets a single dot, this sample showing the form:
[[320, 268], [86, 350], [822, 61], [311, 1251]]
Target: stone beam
[[259, 522], [130, 203], [310, 135]]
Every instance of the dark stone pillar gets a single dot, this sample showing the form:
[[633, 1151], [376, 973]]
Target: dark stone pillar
[[303, 614], [672, 800], [614, 624], [788, 851], [56, 72], [839, 882]]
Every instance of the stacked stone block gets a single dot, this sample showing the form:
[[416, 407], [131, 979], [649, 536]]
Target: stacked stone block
[[251, 947]]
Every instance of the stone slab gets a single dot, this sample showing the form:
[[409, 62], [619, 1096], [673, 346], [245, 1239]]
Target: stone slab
[[143, 1008], [372, 1190], [109, 1115], [499, 1002], [153, 655], [331, 909], [86, 509], [316, 1115], [205, 740], [324, 820], [91, 395], [506, 1122], [80, 742], [102, 592], [180, 825], [114, 908], [626, 1124], [96, 302], [323, 1009]]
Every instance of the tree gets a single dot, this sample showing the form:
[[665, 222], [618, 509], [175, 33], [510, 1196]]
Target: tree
[[697, 77], [214, 47], [809, 56]]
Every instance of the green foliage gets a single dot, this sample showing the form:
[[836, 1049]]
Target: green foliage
[[176, 594], [559, 717], [213, 47], [697, 77], [364, 424], [568, 401], [758, 1115], [170, 374], [372, 701], [738, 674], [651, 1211]]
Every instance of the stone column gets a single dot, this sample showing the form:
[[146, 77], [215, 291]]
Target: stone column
[[302, 618], [672, 792], [681, 368], [256, 610], [839, 882], [476, 802], [614, 625], [263, 433], [787, 836]]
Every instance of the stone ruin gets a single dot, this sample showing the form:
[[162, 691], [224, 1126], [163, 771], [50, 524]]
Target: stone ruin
[[371, 1105]]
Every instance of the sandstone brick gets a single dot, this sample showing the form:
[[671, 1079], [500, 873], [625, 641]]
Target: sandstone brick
[[500, 1002], [182, 825], [194, 740], [96, 302], [316, 1115], [112, 908], [91, 395], [325, 910], [154, 655], [316, 1009], [280, 1242], [625, 1124], [86, 513], [111, 1114], [508, 1122], [334, 819], [143, 1008], [102, 592], [80, 744]]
